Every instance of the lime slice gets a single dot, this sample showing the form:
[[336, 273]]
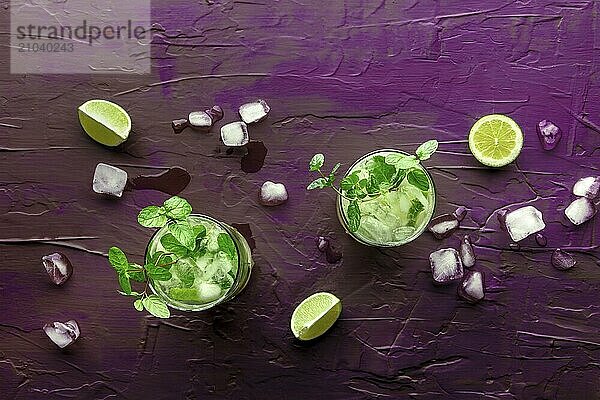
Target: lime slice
[[184, 294], [315, 315], [495, 140], [105, 122]]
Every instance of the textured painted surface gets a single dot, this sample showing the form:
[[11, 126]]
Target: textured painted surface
[[345, 78]]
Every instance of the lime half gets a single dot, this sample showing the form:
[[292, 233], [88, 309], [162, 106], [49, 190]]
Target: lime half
[[105, 122], [315, 315], [495, 140]]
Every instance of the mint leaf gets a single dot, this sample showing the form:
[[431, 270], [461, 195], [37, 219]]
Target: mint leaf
[[316, 162], [185, 272], [157, 273], [417, 178], [138, 305], [155, 306], [152, 217], [319, 183], [177, 208], [135, 272], [425, 150], [118, 259], [380, 172], [226, 245], [335, 169], [199, 231], [165, 262], [350, 181], [184, 233], [353, 216], [173, 245], [415, 208], [124, 283], [402, 161]]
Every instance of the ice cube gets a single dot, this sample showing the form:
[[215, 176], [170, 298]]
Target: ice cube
[[109, 180], [62, 334], [59, 267], [273, 194], [208, 292], [580, 211], [523, 222], [562, 260], [200, 119], [331, 253], [541, 239], [549, 134], [472, 288], [446, 265], [216, 114], [443, 226], [179, 125], [254, 112], [587, 187], [234, 134], [460, 213], [467, 255]]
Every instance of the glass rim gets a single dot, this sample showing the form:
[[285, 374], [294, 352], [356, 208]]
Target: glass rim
[[344, 219], [205, 306]]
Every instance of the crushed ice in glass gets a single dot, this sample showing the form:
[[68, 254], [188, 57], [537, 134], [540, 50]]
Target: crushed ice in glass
[[549, 134], [234, 134], [62, 334], [446, 265], [443, 226], [59, 267], [200, 119], [562, 260], [460, 213], [523, 222], [254, 112], [471, 288], [580, 211], [587, 187], [273, 194], [109, 180], [467, 255]]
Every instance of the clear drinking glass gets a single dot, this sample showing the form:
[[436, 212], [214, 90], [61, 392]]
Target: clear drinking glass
[[202, 279], [394, 218]]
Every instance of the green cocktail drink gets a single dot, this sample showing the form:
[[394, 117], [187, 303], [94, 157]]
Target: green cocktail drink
[[402, 210], [214, 272]]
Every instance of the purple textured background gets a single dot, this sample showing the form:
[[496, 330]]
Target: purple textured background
[[344, 78]]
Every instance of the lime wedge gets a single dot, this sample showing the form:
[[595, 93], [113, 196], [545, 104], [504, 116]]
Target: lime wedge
[[105, 122], [315, 315], [495, 140], [184, 294]]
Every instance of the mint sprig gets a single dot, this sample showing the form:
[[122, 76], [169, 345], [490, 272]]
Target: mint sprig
[[181, 240], [385, 174]]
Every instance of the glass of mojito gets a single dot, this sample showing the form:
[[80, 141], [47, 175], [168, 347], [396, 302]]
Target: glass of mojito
[[386, 198], [215, 271], [395, 217]]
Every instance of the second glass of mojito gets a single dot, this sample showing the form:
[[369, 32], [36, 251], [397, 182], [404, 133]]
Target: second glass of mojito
[[401, 213], [215, 272]]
